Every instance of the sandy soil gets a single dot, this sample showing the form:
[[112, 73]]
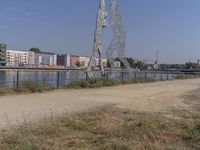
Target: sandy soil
[[149, 97]]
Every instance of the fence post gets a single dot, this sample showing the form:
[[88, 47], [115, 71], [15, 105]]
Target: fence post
[[17, 84], [86, 76], [58, 79], [122, 74]]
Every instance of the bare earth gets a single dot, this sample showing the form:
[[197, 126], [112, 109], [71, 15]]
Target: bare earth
[[149, 97]]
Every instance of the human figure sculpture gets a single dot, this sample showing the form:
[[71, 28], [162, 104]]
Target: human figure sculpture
[[118, 40], [97, 47], [119, 36]]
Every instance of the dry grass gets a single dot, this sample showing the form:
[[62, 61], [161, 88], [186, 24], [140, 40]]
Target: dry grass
[[106, 129], [186, 76], [96, 83], [110, 129]]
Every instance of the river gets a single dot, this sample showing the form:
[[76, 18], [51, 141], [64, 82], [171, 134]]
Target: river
[[9, 78]]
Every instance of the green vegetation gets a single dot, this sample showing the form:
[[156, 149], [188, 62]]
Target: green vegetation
[[25, 87], [30, 87], [34, 87], [95, 83], [106, 129], [183, 77], [36, 50]]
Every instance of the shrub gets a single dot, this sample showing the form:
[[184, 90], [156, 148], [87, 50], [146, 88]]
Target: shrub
[[6, 91], [182, 77], [30, 86]]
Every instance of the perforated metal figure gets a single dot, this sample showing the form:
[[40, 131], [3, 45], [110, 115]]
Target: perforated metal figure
[[97, 47], [119, 36]]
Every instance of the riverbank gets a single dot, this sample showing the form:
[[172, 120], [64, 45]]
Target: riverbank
[[34, 87], [160, 115], [28, 86]]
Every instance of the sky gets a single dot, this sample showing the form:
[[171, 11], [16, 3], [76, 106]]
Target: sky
[[171, 27]]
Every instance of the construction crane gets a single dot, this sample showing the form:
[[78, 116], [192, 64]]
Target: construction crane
[[157, 57]]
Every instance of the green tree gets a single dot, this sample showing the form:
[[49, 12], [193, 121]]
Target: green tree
[[78, 64], [36, 50]]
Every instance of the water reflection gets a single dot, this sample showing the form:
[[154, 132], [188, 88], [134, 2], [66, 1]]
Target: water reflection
[[9, 78]]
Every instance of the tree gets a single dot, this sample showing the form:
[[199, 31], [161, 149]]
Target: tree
[[78, 64], [36, 50]]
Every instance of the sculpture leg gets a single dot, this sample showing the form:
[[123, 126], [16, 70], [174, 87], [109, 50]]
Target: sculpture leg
[[109, 54], [121, 53], [89, 73]]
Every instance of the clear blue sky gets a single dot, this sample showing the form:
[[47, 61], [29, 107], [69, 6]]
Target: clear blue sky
[[67, 26]]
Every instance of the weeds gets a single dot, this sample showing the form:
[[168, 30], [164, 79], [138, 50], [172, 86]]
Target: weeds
[[106, 129], [25, 87], [183, 77], [95, 83]]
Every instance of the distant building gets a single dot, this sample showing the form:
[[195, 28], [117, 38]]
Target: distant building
[[117, 64], [63, 60], [104, 61], [84, 61], [19, 58], [74, 60], [3, 48], [44, 58]]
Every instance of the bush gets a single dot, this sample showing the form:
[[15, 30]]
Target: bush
[[77, 84], [183, 77], [30, 86], [6, 91], [95, 83]]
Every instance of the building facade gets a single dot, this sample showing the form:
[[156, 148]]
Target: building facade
[[18, 58], [63, 60], [117, 64], [84, 61], [74, 60], [3, 48], [104, 61], [43, 58]]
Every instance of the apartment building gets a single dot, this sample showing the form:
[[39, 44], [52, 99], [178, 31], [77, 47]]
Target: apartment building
[[104, 61], [18, 58], [44, 58], [84, 61], [63, 60], [74, 60], [3, 48]]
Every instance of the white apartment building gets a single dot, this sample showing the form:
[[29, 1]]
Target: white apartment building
[[104, 61], [44, 58], [84, 61], [18, 58]]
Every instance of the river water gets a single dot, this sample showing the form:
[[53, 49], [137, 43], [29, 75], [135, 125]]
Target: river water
[[53, 78]]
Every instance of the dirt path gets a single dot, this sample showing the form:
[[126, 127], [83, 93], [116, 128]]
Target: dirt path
[[150, 97]]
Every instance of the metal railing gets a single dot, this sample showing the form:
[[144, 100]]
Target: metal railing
[[59, 79]]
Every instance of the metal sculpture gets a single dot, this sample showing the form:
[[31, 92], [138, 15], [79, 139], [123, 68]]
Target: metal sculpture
[[97, 47], [118, 40], [119, 36]]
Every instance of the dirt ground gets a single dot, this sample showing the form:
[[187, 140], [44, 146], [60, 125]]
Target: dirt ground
[[158, 97]]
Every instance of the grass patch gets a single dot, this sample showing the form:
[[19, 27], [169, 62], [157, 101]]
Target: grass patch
[[106, 129], [25, 87], [183, 77], [95, 83]]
